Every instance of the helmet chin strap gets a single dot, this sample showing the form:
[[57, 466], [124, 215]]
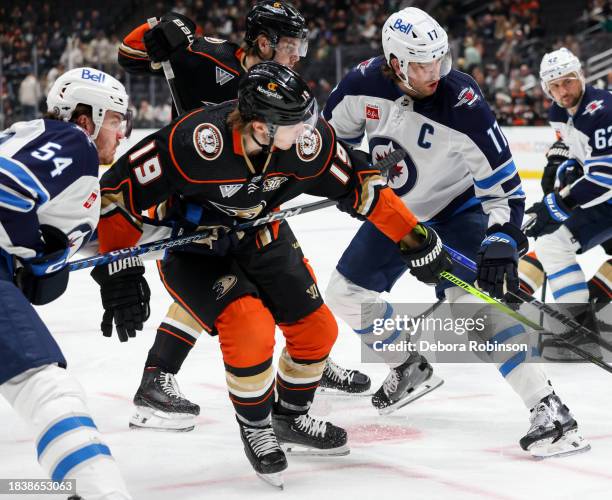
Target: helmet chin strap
[[265, 148]]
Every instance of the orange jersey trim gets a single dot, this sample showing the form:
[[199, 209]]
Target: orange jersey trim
[[216, 61], [391, 216]]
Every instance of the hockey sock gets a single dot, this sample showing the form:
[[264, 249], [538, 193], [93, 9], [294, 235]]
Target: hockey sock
[[296, 383], [68, 443], [531, 273], [600, 285], [175, 337]]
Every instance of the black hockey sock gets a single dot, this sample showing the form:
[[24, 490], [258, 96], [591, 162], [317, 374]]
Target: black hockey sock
[[169, 350]]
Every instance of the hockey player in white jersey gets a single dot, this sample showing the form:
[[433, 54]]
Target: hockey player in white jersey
[[49, 208], [577, 215], [459, 176]]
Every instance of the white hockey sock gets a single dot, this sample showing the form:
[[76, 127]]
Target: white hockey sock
[[557, 252], [68, 443], [526, 378], [363, 310]]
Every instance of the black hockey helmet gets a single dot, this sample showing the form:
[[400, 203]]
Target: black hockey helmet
[[276, 19], [277, 95]]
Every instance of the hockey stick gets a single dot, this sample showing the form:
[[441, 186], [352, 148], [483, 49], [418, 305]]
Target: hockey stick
[[522, 319], [542, 307], [169, 74], [175, 242]]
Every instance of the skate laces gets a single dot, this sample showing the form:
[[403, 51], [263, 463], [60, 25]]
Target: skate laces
[[170, 385], [311, 425], [391, 382], [337, 373], [262, 439]]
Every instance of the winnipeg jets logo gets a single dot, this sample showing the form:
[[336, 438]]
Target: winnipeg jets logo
[[593, 106], [229, 190], [224, 285], [402, 176], [467, 96], [222, 76], [363, 65]]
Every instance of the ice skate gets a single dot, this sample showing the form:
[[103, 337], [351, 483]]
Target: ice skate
[[553, 431], [307, 436], [264, 453], [338, 380], [160, 404], [404, 384]]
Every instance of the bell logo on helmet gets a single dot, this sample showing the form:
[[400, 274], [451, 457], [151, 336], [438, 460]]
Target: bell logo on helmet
[[272, 86], [86, 74], [401, 27]]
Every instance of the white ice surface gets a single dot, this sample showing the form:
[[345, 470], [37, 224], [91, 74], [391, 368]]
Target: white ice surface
[[460, 442]]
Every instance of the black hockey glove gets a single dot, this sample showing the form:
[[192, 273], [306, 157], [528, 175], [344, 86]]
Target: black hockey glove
[[497, 259], [549, 213], [428, 260], [125, 296], [44, 278], [172, 33], [556, 155], [569, 172]]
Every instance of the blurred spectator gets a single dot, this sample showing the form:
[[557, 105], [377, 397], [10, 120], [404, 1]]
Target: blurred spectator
[[29, 96]]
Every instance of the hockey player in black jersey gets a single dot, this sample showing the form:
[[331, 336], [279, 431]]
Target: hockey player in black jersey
[[208, 70], [274, 30], [222, 164]]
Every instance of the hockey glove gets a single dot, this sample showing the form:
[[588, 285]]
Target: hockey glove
[[556, 155], [569, 172], [429, 259], [172, 33], [44, 278], [497, 259], [549, 213], [125, 296]]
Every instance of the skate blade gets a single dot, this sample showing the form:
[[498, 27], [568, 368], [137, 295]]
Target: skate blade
[[299, 450], [571, 443], [274, 479], [329, 391], [158, 420], [426, 387]]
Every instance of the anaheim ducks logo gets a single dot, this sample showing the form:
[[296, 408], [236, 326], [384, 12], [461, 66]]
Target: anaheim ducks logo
[[309, 144], [224, 285], [242, 213], [208, 141]]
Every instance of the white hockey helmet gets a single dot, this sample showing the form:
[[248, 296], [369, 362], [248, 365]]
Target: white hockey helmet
[[558, 64], [91, 87], [412, 35]]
